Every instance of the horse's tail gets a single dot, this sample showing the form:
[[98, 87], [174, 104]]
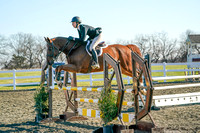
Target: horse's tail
[[134, 48]]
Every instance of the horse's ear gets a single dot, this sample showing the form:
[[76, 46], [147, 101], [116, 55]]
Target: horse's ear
[[47, 39]]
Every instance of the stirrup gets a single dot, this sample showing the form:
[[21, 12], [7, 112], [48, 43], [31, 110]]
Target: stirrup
[[95, 66]]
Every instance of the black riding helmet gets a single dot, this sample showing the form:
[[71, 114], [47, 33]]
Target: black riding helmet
[[76, 19]]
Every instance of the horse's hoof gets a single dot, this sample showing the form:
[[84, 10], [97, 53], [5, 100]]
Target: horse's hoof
[[144, 92], [60, 85], [96, 66]]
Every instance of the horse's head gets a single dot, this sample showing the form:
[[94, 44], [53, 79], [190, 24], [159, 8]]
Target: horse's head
[[52, 51]]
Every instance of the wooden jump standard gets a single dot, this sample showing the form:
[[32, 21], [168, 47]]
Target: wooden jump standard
[[109, 61]]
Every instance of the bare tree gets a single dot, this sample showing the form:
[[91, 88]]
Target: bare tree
[[40, 53], [158, 45], [27, 50], [4, 54], [23, 46], [167, 46], [142, 43]]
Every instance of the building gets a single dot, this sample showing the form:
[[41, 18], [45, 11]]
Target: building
[[193, 47]]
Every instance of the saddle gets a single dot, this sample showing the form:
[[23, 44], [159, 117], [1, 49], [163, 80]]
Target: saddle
[[98, 48]]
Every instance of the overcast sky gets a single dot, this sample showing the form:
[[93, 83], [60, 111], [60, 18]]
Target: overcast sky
[[123, 19]]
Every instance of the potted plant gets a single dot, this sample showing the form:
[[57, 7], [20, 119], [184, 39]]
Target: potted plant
[[108, 108], [41, 103]]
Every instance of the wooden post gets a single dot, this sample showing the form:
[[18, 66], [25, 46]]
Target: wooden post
[[74, 84], [66, 77], [68, 98], [135, 89], [50, 90], [44, 67], [108, 60]]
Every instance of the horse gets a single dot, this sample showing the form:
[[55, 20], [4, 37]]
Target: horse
[[79, 60]]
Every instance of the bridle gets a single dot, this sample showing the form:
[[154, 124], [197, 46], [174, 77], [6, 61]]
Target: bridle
[[55, 48], [59, 51]]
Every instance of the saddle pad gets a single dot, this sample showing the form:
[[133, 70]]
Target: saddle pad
[[98, 49]]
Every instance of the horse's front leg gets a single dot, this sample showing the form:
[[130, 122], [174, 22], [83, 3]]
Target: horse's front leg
[[68, 68]]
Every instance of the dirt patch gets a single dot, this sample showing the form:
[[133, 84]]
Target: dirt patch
[[18, 115]]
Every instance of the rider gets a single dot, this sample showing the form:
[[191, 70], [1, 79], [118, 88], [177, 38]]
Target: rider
[[94, 37]]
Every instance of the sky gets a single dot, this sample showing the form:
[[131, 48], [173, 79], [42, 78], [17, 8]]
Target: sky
[[119, 19]]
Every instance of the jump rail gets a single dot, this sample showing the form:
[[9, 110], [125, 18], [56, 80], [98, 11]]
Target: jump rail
[[176, 99]]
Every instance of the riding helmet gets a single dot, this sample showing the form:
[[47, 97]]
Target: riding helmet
[[76, 19]]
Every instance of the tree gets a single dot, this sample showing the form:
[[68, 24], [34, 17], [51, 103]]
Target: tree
[[17, 62], [29, 47], [142, 43], [158, 45], [4, 54], [40, 52], [167, 47]]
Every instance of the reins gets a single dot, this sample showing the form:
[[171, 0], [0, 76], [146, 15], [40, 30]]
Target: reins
[[60, 51]]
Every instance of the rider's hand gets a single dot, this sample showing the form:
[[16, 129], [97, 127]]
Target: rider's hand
[[71, 38]]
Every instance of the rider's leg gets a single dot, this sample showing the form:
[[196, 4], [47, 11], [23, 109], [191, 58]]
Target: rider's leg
[[95, 63], [94, 43]]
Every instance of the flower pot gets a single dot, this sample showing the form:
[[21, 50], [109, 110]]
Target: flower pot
[[40, 117], [44, 116], [108, 129]]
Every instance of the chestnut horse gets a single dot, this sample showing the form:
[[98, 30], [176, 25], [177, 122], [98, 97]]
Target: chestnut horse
[[79, 60]]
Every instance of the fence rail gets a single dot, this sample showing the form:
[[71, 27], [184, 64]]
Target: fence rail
[[90, 79]]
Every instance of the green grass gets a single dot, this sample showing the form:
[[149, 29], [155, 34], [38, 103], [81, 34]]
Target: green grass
[[95, 83]]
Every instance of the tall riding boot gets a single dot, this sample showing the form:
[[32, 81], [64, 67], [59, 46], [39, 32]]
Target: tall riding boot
[[95, 63]]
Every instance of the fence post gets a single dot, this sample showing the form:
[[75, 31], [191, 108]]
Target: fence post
[[14, 79], [164, 70], [90, 79], [128, 79]]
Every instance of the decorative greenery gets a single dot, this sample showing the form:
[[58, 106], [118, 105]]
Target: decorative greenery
[[107, 105], [41, 101]]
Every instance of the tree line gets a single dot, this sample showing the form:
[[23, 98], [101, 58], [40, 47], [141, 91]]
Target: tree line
[[160, 47], [25, 51]]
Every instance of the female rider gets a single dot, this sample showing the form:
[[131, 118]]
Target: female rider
[[94, 37]]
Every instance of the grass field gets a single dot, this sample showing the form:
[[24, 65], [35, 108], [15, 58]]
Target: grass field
[[81, 77]]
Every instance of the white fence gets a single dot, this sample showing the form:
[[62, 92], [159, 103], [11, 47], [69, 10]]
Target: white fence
[[14, 77], [91, 80]]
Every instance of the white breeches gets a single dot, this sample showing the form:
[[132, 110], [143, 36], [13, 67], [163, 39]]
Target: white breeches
[[95, 41]]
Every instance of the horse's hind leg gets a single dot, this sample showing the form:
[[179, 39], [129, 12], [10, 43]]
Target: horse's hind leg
[[125, 72]]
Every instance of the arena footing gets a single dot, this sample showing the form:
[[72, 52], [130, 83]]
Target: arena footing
[[140, 127]]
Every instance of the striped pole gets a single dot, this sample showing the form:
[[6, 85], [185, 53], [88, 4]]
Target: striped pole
[[96, 101], [87, 89], [96, 114]]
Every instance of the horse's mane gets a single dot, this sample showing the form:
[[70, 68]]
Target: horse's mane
[[66, 38], [59, 37]]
